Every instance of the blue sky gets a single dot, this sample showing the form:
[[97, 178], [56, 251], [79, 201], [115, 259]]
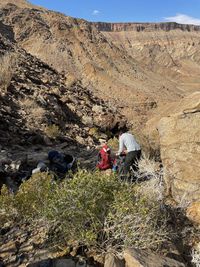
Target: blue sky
[[182, 11]]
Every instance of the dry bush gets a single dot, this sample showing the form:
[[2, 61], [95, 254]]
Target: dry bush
[[34, 113], [196, 255], [52, 131], [151, 175], [7, 69], [136, 221]]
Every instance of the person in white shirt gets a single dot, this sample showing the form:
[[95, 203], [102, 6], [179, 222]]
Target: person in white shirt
[[128, 145]]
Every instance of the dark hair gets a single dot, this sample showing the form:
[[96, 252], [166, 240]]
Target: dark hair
[[121, 131]]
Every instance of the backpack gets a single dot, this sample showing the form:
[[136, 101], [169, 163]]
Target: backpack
[[58, 163], [104, 158]]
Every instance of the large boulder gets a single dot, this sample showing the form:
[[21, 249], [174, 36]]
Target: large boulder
[[180, 149], [113, 261], [137, 258], [193, 212]]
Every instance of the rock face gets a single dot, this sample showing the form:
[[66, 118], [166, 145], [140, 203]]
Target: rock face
[[193, 212], [167, 26], [180, 149], [135, 258], [113, 261]]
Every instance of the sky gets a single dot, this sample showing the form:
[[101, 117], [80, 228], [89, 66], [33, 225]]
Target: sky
[[181, 11]]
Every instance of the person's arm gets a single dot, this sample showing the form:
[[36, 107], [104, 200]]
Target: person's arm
[[121, 145]]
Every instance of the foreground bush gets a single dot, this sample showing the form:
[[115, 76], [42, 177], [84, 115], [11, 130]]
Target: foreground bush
[[135, 221], [92, 209]]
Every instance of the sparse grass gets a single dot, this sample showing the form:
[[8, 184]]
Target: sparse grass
[[34, 113], [7, 69]]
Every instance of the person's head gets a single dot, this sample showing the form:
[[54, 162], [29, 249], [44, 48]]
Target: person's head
[[121, 131]]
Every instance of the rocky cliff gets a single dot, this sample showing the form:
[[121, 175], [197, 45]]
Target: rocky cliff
[[146, 27]]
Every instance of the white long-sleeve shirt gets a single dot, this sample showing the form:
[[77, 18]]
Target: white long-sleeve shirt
[[128, 142]]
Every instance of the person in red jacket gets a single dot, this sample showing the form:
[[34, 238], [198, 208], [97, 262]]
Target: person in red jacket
[[104, 157]]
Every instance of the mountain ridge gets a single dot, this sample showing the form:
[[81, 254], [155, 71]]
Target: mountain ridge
[[143, 26]]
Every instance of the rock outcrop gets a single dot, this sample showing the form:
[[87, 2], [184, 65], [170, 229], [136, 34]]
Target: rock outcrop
[[193, 212], [146, 27], [180, 149], [136, 258]]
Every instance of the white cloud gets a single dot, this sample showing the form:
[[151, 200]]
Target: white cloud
[[95, 12], [183, 19]]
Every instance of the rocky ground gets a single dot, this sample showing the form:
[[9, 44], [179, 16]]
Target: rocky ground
[[25, 245]]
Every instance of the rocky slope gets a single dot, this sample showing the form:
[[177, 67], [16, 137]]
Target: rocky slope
[[38, 97], [117, 62]]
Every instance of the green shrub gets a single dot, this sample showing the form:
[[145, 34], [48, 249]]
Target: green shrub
[[7, 209], [32, 196], [82, 205], [91, 209]]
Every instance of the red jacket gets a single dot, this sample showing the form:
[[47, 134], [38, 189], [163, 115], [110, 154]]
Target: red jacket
[[105, 161]]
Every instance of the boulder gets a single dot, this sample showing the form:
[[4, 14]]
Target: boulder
[[180, 150], [64, 263], [97, 109], [136, 258], [87, 120], [113, 261], [109, 122], [193, 212]]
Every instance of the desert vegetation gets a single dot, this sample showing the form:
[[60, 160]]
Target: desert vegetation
[[99, 212], [34, 113], [196, 255], [92, 209], [52, 131]]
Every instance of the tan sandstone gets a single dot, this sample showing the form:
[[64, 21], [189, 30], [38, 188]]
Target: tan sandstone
[[136, 258], [193, 212], [180, 149]]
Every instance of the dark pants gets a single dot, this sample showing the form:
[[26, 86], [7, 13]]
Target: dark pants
[[131, 160]]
